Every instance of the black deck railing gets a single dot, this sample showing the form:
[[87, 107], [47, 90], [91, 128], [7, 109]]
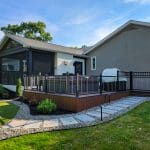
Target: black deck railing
[[80, 84], [74, 85]]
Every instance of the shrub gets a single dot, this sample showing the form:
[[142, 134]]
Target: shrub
[[46, 106], [19, 90]]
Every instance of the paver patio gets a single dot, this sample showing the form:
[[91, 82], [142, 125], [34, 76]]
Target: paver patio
[[24, 123]]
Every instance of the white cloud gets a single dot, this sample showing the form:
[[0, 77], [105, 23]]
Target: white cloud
[[92, 38], [138, 1], [99, 34], [80, 19]]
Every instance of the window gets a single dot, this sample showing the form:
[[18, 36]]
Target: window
[[93, 63], [9, 64]]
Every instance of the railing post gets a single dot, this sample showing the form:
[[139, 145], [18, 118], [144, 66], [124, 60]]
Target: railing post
[[24, 82], [117, 81], [131, 80], [101, 84], [77, 85], [45, 88]]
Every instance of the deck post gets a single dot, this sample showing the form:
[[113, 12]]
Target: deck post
[[101, 84], [77, 85], [46, 86]]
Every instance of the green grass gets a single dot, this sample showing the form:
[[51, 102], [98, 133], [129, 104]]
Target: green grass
[[7, 111], [131, 131]]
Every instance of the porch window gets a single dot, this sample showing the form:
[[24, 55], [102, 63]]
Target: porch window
[[93, 63], [9, 64]]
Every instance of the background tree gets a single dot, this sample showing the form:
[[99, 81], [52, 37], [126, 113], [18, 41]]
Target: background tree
[[32, 30]]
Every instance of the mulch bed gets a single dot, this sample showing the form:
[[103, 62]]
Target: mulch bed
[[33, 111]]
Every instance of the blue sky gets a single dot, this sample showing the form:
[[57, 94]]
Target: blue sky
[[75, 22]]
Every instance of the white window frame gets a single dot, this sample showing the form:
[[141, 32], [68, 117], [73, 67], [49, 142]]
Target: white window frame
[[93, 57]]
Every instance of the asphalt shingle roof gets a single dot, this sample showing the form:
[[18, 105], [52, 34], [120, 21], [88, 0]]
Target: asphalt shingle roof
[[35, 44]]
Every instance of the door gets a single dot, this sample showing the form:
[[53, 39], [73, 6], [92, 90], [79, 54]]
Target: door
[[78, 67]]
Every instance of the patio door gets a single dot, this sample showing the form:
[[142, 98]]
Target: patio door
[[78, 67]]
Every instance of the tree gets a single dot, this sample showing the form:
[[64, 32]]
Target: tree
[[32, 30]]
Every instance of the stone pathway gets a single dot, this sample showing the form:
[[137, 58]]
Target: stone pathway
[[24, 123]]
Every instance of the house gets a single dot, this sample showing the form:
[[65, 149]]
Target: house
[[127, 48], [21, 56]]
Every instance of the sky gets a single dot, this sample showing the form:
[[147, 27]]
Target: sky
[[75, 22]]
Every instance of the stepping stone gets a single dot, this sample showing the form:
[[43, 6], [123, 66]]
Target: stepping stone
[[85, 118], [32, 125], [109, 111], [97, 114], [68, 121], [113, 108], [120, 105], [50, 123], [127, 102], [17, 123]]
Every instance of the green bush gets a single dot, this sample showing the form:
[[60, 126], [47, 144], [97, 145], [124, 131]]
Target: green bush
[[19, 90], [46, 106]]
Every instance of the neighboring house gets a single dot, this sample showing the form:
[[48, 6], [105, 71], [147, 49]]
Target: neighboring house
[[20, 56], [127, 48]]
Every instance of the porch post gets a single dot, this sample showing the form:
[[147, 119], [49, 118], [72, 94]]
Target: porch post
[[29, 62]]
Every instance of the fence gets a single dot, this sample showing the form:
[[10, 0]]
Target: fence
[[76, 85], [140, 81]]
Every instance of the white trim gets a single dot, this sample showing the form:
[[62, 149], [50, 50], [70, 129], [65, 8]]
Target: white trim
[[93, 57]]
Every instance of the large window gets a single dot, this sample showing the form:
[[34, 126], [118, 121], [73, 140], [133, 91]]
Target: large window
[[9, 64], [93, 63]]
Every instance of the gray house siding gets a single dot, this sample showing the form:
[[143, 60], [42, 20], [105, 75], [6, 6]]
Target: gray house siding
[[128, 51]]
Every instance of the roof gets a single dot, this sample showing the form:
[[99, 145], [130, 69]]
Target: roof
[[40, 45], [117, 31]]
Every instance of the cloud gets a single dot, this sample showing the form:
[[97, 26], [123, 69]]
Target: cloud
[[93, 37], [99, 34], [138, 1], [80, 19]]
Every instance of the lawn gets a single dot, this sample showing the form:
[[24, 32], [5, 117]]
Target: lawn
[[130, 131], [7, 111]]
